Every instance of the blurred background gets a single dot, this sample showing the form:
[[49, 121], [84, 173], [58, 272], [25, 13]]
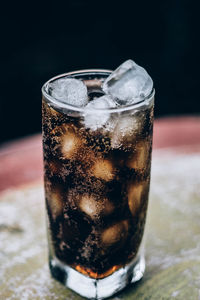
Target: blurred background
[[39, 41]]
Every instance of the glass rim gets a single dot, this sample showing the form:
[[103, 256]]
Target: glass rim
[[87, 72]]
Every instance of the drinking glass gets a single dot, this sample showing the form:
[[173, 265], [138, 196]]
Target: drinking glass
[[96, 188]]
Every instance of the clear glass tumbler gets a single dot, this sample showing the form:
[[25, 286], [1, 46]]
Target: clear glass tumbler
[[96, 187]]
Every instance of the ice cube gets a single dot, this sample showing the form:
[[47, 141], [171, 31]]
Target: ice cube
[[126, 129], [128, 84], [70, 143], [54, 199], [94, 115], [69, 90], [135, 194], [94, 207], [67, 140], [103, 169], [140, 158], [115, 234]]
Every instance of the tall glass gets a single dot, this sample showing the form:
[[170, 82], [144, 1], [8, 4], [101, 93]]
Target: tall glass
[[96, 186]]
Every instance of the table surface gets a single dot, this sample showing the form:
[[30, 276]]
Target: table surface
[[172, 229]]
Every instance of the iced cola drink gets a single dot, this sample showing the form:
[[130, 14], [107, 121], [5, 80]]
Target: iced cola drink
[[97, 139]]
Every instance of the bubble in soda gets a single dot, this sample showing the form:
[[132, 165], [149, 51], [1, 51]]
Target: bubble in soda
[[128, 84], [70, 91]]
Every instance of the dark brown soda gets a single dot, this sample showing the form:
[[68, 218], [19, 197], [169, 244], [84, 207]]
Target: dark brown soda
[[96, 187]]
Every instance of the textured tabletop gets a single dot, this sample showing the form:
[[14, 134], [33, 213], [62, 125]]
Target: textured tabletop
[[172, 231]]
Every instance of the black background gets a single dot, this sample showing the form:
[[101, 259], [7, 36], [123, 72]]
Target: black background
[[39, 41]]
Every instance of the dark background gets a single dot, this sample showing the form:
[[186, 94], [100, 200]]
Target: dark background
[[39, 41]]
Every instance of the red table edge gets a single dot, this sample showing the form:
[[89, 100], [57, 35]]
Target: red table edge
[[21, 160]]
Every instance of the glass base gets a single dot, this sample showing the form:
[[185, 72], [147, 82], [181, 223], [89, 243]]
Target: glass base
[[97, 288]]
